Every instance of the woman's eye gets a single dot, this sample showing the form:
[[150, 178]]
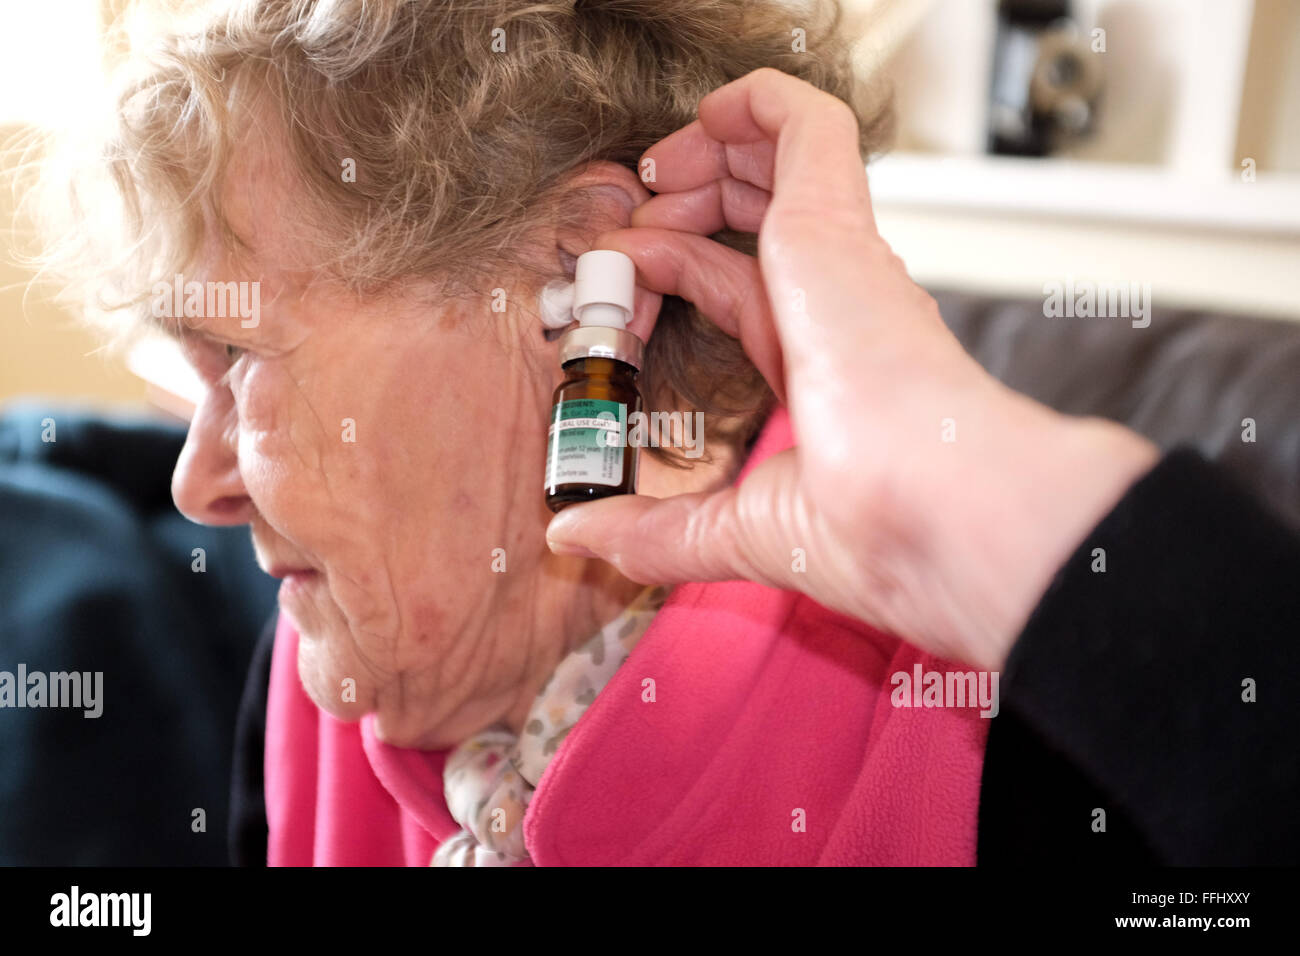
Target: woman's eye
[[233, 352]]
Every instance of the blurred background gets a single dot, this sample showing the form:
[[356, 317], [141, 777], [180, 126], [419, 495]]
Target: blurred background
[[1148, 142], [1184, 172]]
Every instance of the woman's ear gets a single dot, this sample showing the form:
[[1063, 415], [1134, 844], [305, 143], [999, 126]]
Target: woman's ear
[[608, 193], [556, 300]]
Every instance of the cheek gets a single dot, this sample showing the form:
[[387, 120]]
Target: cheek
[[288, 453], [325, 490], [262, 393]]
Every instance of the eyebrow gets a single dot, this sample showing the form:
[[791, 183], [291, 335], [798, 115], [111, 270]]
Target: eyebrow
[[178, 330]]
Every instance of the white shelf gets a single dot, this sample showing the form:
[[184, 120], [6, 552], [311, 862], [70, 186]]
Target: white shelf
[[1085, 190]]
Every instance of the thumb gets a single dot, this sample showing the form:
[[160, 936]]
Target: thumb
[[704, 536]]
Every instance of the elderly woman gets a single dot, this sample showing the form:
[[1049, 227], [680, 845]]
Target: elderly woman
[[402, 180]]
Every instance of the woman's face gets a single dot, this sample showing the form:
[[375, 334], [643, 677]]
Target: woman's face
[[388, 456]]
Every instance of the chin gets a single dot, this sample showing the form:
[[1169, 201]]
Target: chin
[[324, 683], [329, 699], [322, 674], [394, 733]]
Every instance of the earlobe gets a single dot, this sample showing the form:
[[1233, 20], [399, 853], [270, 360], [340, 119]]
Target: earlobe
[[610, 191]]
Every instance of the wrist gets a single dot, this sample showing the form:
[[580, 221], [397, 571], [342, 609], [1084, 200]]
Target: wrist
[[1035, 492]]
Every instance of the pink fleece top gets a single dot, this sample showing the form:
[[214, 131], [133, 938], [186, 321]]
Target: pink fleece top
[[771, 739]]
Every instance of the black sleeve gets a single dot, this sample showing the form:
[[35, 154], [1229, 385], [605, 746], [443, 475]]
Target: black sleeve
[[1162, 690], [247, 837]]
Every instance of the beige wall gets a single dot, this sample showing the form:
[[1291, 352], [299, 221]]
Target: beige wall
[[1270, 104], [45, 352]]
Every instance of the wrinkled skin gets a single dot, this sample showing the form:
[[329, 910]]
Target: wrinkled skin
[[396, 530]]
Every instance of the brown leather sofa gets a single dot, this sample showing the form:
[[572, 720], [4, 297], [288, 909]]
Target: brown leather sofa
[[1189, 378]]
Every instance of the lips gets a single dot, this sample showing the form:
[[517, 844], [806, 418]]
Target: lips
[[295, 581], [287, 571]]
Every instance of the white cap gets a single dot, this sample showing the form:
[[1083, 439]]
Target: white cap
[[556, 304], [604, 289]]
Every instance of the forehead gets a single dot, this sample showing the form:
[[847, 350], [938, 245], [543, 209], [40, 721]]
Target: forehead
[[253, 232], [262, 224], [262, 207]]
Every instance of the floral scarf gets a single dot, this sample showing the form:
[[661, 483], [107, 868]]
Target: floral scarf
[[490, 778]]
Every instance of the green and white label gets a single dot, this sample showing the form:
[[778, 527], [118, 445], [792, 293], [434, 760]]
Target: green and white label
[[586, 442]]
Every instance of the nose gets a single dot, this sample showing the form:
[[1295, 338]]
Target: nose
[[206, 484]]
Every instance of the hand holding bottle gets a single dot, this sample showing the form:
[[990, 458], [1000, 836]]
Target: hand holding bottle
[[928, 499]]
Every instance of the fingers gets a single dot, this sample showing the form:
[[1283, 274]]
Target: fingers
[[690, 157], [817, 137], [717, 205], [724, 284], [645, 538], [822, 264], [775, 132], [692, 537]]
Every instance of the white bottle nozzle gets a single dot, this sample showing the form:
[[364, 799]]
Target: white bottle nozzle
[[604, 289], [556, 304]]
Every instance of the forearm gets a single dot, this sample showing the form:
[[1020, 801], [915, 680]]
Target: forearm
[[1034, 483]]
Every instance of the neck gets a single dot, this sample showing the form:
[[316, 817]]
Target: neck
[[595, 594]]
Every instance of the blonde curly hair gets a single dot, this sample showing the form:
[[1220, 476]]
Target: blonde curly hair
[[460, 151]]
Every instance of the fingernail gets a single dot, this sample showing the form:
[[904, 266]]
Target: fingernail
[[569, 548], [560, 535]]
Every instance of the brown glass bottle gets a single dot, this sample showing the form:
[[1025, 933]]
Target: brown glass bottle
[[588, 455]]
